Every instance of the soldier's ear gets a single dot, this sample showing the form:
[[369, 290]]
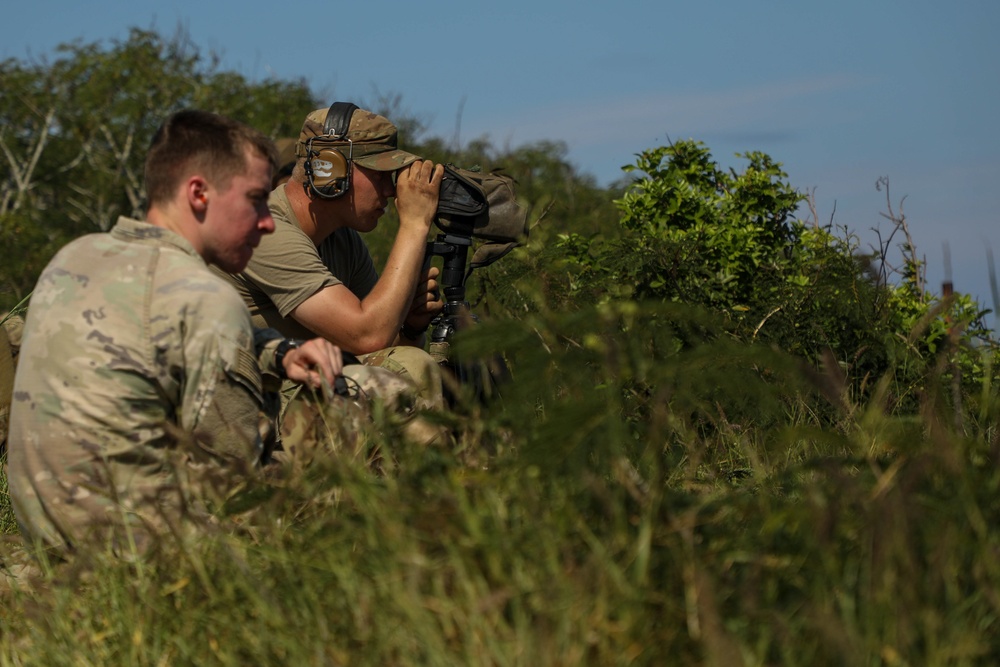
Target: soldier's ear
[[196, 190]]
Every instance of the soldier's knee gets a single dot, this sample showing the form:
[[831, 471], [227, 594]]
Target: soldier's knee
[[414, 364]]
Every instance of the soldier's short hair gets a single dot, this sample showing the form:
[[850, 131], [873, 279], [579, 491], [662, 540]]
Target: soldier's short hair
[[191, 141]]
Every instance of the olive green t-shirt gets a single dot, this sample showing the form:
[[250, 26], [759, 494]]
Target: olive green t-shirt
[[287, 268]]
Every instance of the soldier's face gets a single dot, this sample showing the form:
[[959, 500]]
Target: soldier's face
[[237, 216], [369, 195]]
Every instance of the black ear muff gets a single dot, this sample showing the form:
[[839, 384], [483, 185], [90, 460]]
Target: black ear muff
[[328, 169]]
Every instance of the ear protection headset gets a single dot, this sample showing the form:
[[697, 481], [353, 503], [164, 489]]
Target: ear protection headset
[[328, 170]]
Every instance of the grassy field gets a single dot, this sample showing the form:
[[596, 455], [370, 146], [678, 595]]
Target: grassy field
[[708, 507]]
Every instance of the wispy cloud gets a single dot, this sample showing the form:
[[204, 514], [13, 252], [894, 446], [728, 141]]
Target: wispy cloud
[[640, 118]]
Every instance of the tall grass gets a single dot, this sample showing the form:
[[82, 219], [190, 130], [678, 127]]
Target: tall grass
[[647, 492]]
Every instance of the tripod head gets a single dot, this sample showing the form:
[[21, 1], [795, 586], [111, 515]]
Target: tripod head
[[454, 251]]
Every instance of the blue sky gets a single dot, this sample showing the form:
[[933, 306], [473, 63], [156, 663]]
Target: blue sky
[[841, 93]]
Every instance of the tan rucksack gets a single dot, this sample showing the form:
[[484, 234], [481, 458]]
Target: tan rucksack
[[482, 205]]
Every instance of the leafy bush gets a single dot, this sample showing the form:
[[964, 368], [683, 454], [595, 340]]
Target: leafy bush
[[693, 234], [75, 132]]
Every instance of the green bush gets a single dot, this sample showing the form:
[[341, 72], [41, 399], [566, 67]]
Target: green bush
[[691, 233]]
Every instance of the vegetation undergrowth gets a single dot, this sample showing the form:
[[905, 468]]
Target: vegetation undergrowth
[[640, 511]]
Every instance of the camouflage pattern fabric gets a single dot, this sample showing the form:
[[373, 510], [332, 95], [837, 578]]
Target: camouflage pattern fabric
[[415, 365], [312, 425], [138, 394], [373, 140], [315, 426], [13, 325]]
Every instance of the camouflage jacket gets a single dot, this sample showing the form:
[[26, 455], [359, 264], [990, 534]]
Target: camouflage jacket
[[139, 368]]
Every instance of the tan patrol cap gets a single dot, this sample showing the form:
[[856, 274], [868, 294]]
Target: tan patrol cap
[[372, 137]]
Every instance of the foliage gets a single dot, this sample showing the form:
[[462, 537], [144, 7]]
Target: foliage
[[695, 234], [73, 133], [729, 437], [692, 233]]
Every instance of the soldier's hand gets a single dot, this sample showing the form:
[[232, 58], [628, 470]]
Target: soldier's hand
[[418, 186], [314, 363], [426, 302]]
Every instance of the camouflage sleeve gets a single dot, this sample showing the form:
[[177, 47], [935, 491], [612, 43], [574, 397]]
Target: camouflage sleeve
[[265, 341], [223, 399]]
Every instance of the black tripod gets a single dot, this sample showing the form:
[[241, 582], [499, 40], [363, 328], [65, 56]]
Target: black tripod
[[478, 375]]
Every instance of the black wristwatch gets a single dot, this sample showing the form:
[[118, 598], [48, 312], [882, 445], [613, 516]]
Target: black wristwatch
[[280, 352]]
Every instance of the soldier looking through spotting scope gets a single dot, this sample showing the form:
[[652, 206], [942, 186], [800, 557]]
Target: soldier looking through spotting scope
[[315, 275]]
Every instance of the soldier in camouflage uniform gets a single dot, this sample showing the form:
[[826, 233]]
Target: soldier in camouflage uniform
[[141, 388], [315, 275]]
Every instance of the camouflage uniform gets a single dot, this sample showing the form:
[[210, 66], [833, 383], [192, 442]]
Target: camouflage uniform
[[311, 423], [138, 387]]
